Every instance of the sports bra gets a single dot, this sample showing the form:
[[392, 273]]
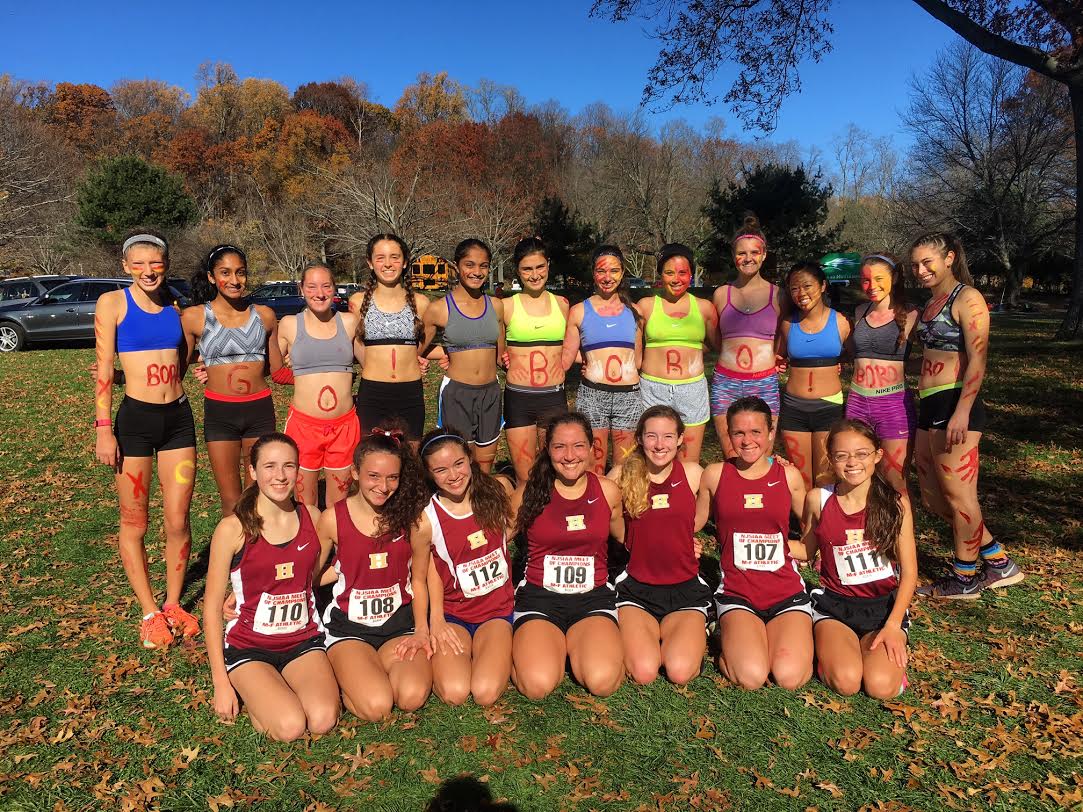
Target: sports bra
[[599, 332], [525, 330], [879, 343], [466, 333], [232, 345], [820, 349], [942, 331], [312, 355], [733, 323], [663, 330], [139, 330], [389, 328]]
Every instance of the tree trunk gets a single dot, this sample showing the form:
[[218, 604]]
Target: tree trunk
[[1070, 327]]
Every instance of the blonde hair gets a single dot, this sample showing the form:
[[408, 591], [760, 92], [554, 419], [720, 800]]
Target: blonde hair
[[634, 480]]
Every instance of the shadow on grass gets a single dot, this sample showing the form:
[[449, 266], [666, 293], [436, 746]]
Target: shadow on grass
[[466, 794]]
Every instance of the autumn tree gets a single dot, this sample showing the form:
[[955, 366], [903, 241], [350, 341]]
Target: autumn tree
[[432, 98], [126, 191], [134, 98], [83, 114]]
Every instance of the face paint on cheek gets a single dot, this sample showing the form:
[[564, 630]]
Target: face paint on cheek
[[683, 272]]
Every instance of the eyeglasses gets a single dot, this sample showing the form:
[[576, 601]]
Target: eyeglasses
[[845, 456]]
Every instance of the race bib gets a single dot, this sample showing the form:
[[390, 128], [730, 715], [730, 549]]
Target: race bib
[[482, 575], [373, 607], [281, 614], [758, 551], [859, 563], [568, 574]]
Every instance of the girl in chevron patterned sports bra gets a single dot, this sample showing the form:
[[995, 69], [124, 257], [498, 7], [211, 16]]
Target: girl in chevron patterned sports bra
[[236, 342]]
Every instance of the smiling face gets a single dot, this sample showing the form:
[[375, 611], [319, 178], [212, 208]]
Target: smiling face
[[533, 272], [660, 441], [387, 262], [229, 275], [377, 475], [147, 266], [929, 267], [318, 290], [876, 281], [854, 457], [569, 451], [676, 276], [275, 470], [805, 290], [474, 269], [449, 467], [751, 438], [748, 255], [608, 273]]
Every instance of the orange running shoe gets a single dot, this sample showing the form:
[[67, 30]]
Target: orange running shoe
[[180, 621], [155, 631]]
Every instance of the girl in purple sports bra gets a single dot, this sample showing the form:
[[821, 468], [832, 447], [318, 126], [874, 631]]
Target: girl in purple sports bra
[[748, 313]]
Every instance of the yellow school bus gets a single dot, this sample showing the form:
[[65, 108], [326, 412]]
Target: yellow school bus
[[430, 272]]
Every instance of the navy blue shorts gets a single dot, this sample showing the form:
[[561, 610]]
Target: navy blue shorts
[[471, 628]]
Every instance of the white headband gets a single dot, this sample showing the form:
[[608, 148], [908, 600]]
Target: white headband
[[138, 238]]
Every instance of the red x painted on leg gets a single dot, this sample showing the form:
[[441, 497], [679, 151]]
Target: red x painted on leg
[[138, 486]]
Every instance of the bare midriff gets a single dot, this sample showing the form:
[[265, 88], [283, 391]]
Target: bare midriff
[[812, 383], [535, 367], [391, 363], [237, 379], [941, 368], [323, 394], [875, 373], [746, 355], [474, 367], [673, 363], [152, 376], [613, 366]]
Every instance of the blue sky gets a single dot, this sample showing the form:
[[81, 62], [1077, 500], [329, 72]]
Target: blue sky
[[547, 50]]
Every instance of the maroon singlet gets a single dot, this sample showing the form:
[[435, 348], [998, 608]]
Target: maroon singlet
[[567, 544], [273, 584], [753, 521], [472, 564], [659, 540], [849, 565]]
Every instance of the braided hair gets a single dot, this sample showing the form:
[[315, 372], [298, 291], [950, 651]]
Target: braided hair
[[404, 280]]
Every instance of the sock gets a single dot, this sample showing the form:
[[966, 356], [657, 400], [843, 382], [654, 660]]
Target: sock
[[964, 570], [994, 555]]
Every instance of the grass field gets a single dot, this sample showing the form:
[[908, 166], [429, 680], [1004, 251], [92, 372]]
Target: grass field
[[993, 718]]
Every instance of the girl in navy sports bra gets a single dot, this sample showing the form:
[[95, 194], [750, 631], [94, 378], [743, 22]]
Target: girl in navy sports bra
[[154, 421]]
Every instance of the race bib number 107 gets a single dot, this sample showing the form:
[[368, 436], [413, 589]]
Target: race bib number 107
[[758, 551]]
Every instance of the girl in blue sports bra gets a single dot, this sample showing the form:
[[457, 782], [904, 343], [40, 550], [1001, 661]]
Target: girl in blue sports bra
[[954, 330], [811, 337], [140, 325]]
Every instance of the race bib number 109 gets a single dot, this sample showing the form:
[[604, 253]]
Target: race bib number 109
[[568, 574]]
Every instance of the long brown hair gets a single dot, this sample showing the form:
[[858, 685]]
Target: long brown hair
[[883, 507], [945, 241], [245, 509], [623, 289], [488, 499], [898, 289], [404, 281], [634, 480], [539, 485], [402, 509]]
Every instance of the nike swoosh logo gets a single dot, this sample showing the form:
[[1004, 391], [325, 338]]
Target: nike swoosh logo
[[538, 326], [940, 422], [614, 324], [592, 501], [771, 484], [673, 484], [301, 547]]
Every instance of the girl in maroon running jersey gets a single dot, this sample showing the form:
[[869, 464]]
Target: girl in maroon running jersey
[[862, 530], [565, 610], [662, 603], [470, 589], [378, 619], [763, 608], [273, 650]]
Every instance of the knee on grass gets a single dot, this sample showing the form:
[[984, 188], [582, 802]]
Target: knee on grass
[[844, 680], [882, 685], [287, 728], [791, 675], [373, 707], [604, 679], [643, 669], [537, 687], [322, 719], [748, 675], [411, 697], [682, 669], [452, 691], [487, 691]]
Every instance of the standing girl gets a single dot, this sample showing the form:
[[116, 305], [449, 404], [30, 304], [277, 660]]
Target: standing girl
[[954, 330], [678, 325], [470, 393], [763, 608], [238, 344], [141, 326], [470, 588], [321, 419], [272, 654], [607, 330], [535, 322], [748, 313], [811, 336], [389, 328], [565, 609], [377, 622], [880, 345], [863, 532], [662, 603]]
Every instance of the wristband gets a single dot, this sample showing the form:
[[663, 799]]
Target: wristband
[[99, 423]]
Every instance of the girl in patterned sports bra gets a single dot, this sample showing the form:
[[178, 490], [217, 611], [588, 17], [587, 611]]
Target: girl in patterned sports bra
[[238, 344], [954, 329], [389, 328], [748, 312]]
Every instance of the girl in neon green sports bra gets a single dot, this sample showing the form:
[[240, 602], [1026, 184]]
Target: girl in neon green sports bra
[[534, 323], [678, 325]]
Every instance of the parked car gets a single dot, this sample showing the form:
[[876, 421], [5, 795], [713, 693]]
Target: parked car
[[65, 313], [23, 289], [285, 299]]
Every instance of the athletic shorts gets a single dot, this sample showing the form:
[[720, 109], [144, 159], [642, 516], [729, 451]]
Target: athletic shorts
[[689, 398], [472, 628], [935, 410], [725, 389], [892, 417], [339, 628], [277, 659], [323, 443], [693, 595], [143, 429], [563, 611], [378, 400], [610, 407], [860, 615], [526, 407], [798, 602], [471, 408], [232, 418], [808, 415]]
